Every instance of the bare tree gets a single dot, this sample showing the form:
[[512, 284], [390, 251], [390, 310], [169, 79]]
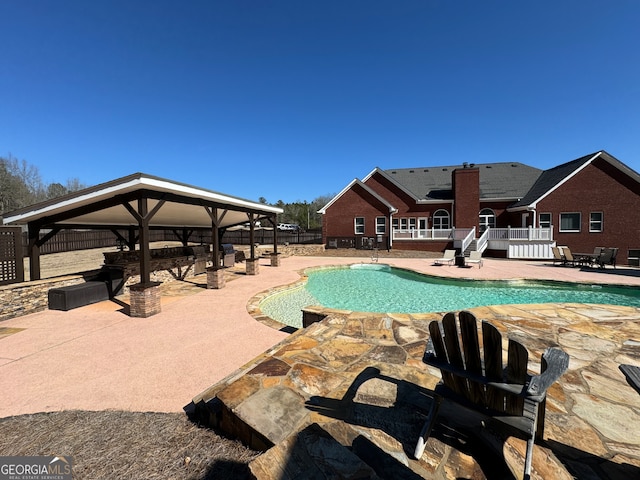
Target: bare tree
[[21, 185]]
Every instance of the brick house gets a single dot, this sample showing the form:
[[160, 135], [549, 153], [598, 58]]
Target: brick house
[[505, 209]]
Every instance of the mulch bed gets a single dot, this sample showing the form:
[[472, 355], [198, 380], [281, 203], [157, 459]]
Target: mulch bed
[[131, 445]]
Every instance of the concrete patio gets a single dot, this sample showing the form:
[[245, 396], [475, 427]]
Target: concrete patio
[[347, 395]]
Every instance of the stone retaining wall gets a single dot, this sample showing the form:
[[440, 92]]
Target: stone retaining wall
[[29, 297], [162, 270], [287, 250]]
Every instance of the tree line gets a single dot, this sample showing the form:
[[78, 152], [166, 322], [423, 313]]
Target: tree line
[[303, 213], [21, 185]]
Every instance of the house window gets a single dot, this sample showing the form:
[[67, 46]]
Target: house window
[[412, 224], [403, 224], [570, 222], [634, 257], [359, 225], [487, 219], [441, 220], [595, 222], [381, 225], [545, 220]]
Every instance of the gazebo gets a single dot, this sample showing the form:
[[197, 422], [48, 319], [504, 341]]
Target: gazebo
[[139, 203]]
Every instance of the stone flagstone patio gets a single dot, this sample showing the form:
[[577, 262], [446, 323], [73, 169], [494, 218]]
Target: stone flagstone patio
[[346, 398]]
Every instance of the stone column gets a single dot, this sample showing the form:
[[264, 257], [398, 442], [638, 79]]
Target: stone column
[[215, 277], [145, 299], [253, 267], [275, 259]]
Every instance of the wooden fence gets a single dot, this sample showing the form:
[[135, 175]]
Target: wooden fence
[[71, 240]]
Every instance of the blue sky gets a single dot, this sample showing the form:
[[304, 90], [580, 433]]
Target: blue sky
[[291, 100]]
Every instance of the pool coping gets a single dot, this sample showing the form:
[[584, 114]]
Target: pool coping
[[253, 305]]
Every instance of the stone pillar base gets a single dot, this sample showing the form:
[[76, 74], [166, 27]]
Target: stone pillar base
[[144, 299], [253, 267], [275, 259], [215, 277]]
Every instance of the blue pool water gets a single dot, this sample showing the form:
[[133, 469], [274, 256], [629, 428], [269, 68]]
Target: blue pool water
[[380, 288]]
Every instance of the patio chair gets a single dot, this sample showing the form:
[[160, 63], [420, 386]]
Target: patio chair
[[632, 374], [607, 257], [474, 376], [475, 257], [557, 256], [448, 257], [568, 257]]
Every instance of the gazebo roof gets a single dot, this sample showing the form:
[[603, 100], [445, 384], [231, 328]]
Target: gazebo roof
[[110, 205]]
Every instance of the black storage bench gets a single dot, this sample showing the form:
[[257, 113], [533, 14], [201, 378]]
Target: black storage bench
[[103, 286], [74, 296]]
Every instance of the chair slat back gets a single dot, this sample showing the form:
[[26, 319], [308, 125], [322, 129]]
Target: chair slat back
[[484, 361], [452, 344], [492, 341], [516, 372], [471, 348], [440, 351]]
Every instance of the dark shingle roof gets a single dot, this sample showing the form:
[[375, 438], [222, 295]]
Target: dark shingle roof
[[550, 178], [508, 180]]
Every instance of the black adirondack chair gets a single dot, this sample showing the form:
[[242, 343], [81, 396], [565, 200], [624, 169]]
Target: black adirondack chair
[[474, 376]]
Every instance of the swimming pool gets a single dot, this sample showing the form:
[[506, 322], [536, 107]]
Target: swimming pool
[[384, 289]]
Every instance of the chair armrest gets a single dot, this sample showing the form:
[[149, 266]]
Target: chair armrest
[[511, 388], [557, 363], [632, 374]]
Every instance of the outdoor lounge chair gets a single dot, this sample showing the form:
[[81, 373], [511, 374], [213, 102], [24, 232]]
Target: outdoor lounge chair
[[473, 376], [568, 257], [557, 256], [475, 257], [449, 257]]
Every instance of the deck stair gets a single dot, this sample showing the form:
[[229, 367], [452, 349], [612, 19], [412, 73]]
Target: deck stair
[[472, 247]]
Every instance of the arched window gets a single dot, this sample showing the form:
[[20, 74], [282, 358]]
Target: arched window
[[487, 219], [441, 220]]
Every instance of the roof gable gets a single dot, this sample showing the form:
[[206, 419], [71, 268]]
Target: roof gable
[[553, 178], [363, 185]]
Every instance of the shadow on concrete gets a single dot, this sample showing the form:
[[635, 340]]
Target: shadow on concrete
[[620, 272], [126, 308]]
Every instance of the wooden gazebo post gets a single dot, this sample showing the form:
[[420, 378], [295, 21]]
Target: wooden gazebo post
[[215, 274], [34, 252], [145, 296], [275, 258], [253, 268]]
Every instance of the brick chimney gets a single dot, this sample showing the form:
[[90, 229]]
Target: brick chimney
[[466, 196]]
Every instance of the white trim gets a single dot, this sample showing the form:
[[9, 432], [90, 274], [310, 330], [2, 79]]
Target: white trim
[[560, 230], [566, 179], [125, 185], [354, 182], [601, 222]]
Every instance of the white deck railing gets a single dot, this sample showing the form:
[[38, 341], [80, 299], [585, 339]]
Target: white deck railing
[[482, 242], [466, 241], [464, 234], [525, 234], [423, 234]]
